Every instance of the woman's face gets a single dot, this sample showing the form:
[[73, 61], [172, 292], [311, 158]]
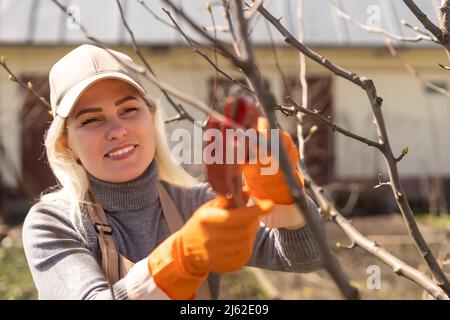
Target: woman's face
[[111, 131]]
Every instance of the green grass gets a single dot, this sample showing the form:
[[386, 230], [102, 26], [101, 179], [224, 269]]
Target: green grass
[[241, 285], [15, 277], [441, 222]]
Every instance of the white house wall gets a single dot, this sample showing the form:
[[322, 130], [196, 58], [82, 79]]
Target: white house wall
[[414, 118]]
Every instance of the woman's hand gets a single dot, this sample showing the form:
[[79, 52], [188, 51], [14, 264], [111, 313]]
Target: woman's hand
[[272, 187], [213, 239]]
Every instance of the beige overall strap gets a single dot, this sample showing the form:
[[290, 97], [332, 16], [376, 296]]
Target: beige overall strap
[[110, 256], [175, 222]]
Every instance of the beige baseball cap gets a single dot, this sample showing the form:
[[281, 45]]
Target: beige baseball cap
[[82, 67]]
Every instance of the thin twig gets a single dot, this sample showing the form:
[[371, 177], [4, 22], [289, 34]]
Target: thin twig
[[28, 86], [275, 55], [441, 34], [226, 9], [343, 15], [381, 183], [418, 30], [157, 17], [219, 44], [196, 49], [147, 8], [317, 115], [216, 62], [302, 78], [414, 72], [426, 22]]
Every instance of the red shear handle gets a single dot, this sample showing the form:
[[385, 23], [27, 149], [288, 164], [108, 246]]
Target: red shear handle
[[223, 172]]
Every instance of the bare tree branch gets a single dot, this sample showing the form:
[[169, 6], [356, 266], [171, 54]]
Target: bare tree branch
[[226, 9], [441, 34], [197, 50], [317, 115], [275, 55], [150, 11], [29, 117], [426, 22], [290, 39], [399, 267], [444, 18], [419, 37], [28, 86], [391, 162], [216, 62], [156, 16], [381, 183], [414, 72], [418, 30], [343, 15], [302, 78], [219, 44], [252, 9]]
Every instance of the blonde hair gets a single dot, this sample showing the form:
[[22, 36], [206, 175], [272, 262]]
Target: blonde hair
[[72, 177]]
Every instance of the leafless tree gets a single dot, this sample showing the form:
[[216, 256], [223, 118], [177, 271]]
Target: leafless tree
[[242, 58]]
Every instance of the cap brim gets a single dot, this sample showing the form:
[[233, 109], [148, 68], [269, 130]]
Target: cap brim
[[72, 95]]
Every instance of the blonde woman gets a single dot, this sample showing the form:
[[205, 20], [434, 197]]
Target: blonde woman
[[126, 222]]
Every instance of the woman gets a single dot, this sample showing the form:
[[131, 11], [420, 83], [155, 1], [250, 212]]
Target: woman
[[126, 222]]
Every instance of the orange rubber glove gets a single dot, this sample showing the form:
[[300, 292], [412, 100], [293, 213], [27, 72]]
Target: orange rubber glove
[[213, 239], [272, 187]]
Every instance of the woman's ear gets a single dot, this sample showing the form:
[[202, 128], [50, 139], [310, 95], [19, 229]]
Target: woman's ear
[[65, 145], [65, 142]]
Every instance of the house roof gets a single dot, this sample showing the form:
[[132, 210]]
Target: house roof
[[40, 22]]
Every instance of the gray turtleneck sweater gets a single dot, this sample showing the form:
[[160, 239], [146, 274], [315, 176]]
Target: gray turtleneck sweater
[[64, 267]]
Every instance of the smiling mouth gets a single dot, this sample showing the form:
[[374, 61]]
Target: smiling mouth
[[122, 153]]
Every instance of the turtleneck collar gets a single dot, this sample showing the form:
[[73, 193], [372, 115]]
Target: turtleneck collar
[[135, 194]]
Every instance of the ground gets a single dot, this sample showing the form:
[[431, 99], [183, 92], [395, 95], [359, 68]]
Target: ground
[[387, 230], [250, 283]]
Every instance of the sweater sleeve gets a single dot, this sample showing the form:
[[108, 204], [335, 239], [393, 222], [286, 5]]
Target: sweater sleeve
[[278, 248], [281, 249]]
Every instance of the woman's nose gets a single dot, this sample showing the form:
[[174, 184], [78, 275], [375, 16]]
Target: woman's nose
[[116, 130]]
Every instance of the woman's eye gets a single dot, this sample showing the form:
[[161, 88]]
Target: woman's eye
[[91, 120], [130, 110]]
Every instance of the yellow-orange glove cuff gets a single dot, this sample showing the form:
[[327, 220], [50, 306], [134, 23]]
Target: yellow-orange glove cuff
[[284, 216]]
